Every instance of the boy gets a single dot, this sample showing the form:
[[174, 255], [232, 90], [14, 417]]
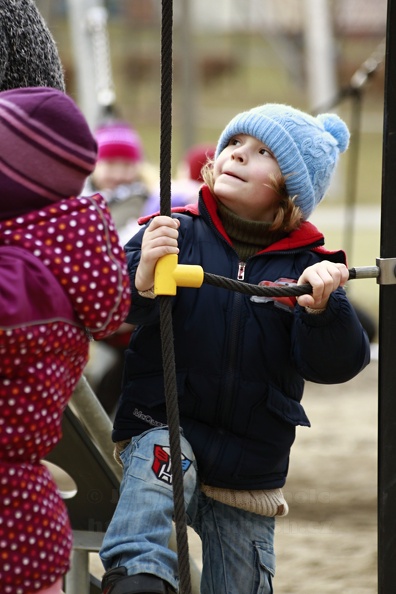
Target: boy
[[241, 361]]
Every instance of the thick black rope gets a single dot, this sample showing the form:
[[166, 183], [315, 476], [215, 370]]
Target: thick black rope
[[166, 107], [280, 290], [168, 357], [259, 290]]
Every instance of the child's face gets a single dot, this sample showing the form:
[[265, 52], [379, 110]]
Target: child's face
[[242, 179], [110, 173]]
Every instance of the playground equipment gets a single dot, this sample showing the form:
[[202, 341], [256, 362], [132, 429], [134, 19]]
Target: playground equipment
[[84, 462], [93, 454], [387, 328]]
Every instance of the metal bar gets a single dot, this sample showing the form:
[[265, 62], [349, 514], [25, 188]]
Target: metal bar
[[365, 272], [352, 174], [77, 579], [83, 57], [96, 422], [188, 95], [387, 330]]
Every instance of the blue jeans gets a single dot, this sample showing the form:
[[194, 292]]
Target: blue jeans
[[237, 546]]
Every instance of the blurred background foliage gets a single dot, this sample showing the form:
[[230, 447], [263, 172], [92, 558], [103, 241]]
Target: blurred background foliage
[[237, 64]]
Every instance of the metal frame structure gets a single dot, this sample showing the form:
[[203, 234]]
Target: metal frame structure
[[387, 330]]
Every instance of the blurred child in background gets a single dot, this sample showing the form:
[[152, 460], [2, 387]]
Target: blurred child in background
[[120, 177], [119, 173], [188, 180]]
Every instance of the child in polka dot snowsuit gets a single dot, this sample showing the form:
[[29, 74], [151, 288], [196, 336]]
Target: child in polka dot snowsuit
[[63, 282]]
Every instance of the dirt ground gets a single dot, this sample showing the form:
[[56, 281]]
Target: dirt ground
[[328, 542]]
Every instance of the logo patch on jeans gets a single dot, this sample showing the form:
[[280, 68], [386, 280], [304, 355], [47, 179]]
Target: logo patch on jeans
[[162, 466]]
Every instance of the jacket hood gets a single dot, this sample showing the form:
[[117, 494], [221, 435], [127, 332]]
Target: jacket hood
[[76, 240]]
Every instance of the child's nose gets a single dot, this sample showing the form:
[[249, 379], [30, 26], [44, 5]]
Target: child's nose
[[238, 154]]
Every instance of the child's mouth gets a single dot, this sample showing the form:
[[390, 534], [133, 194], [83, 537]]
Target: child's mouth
[[229, 173]]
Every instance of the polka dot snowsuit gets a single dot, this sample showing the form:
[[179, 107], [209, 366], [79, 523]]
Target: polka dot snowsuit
[[64, 281]]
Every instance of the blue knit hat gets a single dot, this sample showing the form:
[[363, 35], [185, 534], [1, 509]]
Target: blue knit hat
[[305, 147]]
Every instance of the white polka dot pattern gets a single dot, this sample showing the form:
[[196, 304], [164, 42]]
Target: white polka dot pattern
[[77, 241], [35, 535], [40, 364]]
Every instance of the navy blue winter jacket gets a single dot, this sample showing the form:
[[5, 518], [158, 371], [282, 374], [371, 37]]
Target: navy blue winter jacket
[[241, 361]]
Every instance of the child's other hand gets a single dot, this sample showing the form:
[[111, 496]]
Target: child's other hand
[[324, 277], [159, 239]]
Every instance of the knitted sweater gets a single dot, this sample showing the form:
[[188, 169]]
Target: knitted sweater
[[28, 54]]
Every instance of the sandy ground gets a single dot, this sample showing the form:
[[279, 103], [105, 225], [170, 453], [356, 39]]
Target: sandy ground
[[328, 542]]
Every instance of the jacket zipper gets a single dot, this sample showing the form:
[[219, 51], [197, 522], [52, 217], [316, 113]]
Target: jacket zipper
[[229, 387]]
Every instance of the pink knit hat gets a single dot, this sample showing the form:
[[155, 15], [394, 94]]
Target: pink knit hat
[[118, 140]]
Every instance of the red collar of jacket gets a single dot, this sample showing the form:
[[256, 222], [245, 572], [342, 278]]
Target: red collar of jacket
[[307, 234]]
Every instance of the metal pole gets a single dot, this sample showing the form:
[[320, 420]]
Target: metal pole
[[319, 52], [96, 422], [83, 57], [351, 185], [188, 95], [358, 81], [387, 331], [77, 579]]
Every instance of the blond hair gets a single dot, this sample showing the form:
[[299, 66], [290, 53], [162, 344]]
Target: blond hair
[[289, 215]]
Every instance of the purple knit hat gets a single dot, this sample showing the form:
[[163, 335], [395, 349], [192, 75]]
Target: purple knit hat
[[46, 149]]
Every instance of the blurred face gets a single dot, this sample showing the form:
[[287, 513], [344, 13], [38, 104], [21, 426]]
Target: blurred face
[[110, 173], [242, 177]]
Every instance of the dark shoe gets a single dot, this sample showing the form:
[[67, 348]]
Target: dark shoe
[[117, 581]]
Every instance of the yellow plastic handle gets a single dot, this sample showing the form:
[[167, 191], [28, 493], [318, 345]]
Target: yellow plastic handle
[[169, 275]]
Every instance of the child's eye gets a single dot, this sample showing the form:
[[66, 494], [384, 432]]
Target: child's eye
[[234, 142], [265, 151]]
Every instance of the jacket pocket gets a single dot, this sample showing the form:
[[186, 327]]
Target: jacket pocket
[[285, 408]]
